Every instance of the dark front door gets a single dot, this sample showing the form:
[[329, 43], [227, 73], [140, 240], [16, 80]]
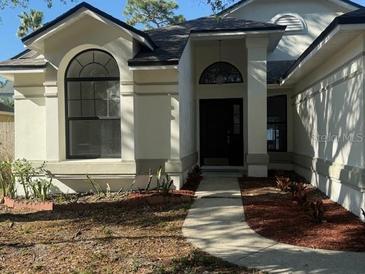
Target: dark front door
[[221, 132]]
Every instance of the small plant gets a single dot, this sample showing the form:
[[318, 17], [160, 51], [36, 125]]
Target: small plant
[[317, 211], [163, 181], [283, 183], [24, 172], [300, 194], [150, 178], [36, 181], [41, 188], [197, 170], [96, 188], [7, 180]]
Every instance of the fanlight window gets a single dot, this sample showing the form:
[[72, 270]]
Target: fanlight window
[[292, 22], [92, 106], [221, 73]]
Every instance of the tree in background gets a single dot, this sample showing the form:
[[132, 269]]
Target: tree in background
[[152, 13], [25, 3], [29, 22], [219, 5]]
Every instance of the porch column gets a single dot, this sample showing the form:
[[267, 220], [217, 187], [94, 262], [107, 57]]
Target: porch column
[[127, 108], [52, 121], [174, 166], [257, 158]]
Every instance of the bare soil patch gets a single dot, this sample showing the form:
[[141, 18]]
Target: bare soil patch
[[273, 214], [103, 235]]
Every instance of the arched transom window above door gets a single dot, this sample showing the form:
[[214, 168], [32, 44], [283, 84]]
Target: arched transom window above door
[[93, 106], [220, 73]]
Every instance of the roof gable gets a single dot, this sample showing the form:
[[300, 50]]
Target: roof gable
[[140, 35], [242, 3]]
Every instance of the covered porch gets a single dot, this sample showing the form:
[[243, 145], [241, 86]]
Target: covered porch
[[230, 94]]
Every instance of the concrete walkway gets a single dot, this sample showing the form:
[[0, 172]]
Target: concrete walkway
[[216, 225]]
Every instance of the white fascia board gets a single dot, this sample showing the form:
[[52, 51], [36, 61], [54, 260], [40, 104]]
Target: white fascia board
[[313, 52], [229, 34], [20, 71], [175, 67]]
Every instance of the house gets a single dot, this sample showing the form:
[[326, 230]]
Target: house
[[270, 85]]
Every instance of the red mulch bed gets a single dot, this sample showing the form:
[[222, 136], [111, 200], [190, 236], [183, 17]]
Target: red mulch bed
[[274, 215]]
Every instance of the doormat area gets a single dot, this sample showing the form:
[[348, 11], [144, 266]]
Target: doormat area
[[274, 215]]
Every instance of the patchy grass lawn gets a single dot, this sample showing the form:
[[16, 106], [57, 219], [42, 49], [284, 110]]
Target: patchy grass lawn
[[103, 236]]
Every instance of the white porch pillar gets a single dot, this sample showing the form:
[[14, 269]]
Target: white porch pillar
[[127, 108], [256, 103], [52, 121], [174, 166]]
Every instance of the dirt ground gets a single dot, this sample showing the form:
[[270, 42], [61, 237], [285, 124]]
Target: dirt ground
[[118, 235], [273, 214]]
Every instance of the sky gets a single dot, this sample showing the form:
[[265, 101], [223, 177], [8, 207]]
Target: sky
[[11, 45]]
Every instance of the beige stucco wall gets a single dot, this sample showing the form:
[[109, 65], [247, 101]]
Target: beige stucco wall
[[30, 124], [328, 112], [187, 99], [154, 91], [316, 14]]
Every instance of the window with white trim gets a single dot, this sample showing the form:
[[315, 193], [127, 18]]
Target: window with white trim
[[92, 106]]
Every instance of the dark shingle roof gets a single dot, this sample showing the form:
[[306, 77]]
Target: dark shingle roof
[[5, 108], [25, 59], [275, 69], [171, 40], [351, 18]]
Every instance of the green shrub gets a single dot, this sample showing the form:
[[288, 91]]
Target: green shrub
[[36, 181], [7, 179]]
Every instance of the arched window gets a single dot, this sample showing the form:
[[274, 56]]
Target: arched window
[[221, 73], [293, 22], [93, 106]]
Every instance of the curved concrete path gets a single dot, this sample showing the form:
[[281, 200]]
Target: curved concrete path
[[216, 225]]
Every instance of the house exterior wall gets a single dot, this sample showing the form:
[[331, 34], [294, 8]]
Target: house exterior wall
[[328, 112], [145, 98], [155, 91], [30, 119], [317, 15]]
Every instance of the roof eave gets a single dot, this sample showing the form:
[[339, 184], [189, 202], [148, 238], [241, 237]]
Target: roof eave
[[340, 23], [41, 32]]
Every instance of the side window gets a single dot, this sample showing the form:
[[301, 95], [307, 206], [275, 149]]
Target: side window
[[277, 123]]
